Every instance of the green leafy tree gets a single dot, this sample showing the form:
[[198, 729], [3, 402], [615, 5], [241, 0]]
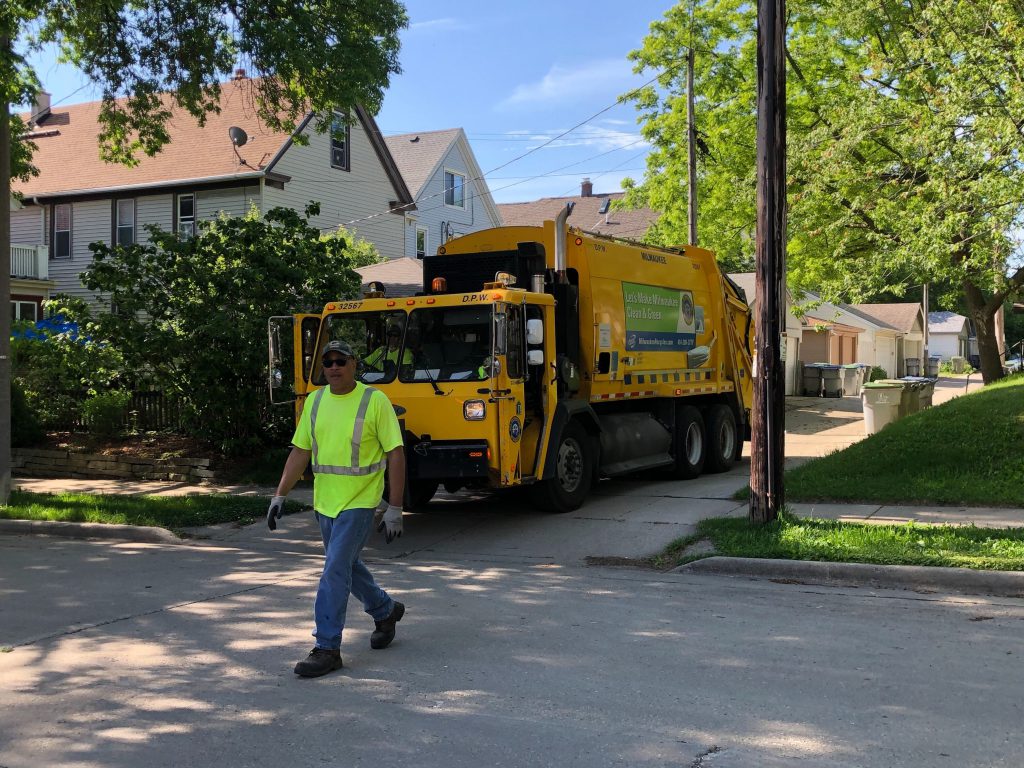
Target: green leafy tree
[[320, 55], [905, 144], [191, 314]]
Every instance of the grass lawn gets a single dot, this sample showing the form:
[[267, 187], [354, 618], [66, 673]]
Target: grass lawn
[[968, 451], [793, 538], [174, 512]]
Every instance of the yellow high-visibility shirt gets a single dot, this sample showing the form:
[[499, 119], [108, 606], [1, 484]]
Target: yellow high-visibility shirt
[[344, 478]]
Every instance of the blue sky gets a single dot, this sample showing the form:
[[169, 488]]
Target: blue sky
[[512, 75]]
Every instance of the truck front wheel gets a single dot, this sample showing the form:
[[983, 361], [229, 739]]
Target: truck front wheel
[[574, 472], [690, 443], [419, 493], [723, 438]]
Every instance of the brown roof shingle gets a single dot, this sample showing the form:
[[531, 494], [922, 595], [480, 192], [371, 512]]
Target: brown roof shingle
[[67, 148], [402, 276], [898, 316], [632, 225]]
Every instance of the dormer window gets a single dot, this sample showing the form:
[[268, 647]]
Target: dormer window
[[339, 143]]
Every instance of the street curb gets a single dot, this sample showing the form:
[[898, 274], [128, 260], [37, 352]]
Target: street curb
[[914, 577], [137, 533]]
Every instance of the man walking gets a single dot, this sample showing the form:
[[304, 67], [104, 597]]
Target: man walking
[[351, 433]]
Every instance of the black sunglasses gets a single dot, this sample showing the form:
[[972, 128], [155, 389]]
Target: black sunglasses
[[336, 361]]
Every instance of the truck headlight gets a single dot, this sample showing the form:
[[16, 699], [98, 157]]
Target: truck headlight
[[474, 410]]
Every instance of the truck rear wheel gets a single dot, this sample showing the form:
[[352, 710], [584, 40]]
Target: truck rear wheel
[[574, 472], [723, 438], [690, 443]]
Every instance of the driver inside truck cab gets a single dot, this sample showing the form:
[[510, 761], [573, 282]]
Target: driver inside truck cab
[[386, 356]]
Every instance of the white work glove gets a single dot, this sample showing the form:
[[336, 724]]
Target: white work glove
[[391, 524], [274, 512]]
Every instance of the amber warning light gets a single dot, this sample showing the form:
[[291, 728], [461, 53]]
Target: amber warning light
[[438, 285]]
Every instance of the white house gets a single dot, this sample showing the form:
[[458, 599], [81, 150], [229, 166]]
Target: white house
[[233, 163], [451, 195], [949, 335], [792, 335]]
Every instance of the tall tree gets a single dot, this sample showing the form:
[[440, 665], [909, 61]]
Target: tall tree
[[320, 55], [906, 133]]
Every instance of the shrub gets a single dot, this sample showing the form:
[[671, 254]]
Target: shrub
[[193, 312], [878, 372], [25, 427], [105, 413]]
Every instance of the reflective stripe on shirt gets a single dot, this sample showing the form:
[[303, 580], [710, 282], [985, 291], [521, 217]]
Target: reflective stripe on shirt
[[357, 439]]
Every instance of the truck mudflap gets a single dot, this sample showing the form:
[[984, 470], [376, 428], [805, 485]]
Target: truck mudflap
[[566, 411], [447, 459]]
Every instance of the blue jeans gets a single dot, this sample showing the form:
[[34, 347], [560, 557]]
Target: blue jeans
[[344, 538]]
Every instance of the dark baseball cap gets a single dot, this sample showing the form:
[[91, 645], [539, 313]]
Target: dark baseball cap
[[341, 347]]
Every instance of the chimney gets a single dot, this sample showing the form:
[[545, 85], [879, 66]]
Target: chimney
[[586, 189], [240, 74], [41, 108]]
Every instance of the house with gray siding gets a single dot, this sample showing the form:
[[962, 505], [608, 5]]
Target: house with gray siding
[[451, 195], [78, 199]]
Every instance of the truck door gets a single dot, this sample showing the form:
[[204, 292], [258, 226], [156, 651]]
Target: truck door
[[507, 392], [291, 342]]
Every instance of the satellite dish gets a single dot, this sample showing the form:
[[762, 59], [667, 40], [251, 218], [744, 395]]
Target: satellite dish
[[238, 136]]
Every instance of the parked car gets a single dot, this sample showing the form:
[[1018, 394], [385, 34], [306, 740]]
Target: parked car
[[1013, 364]]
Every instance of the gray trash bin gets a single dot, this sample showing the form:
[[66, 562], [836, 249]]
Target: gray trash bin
[[913, 366], [933, 367], [924, 388], [851, 380], [881, 404], [905, 395], [831, 381], [914, 388], [812, 380]]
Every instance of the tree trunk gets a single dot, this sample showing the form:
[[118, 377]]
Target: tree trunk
[[982, 313]]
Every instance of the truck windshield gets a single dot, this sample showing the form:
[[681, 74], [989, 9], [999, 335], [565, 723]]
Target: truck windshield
[[448, 344], [376, 338]]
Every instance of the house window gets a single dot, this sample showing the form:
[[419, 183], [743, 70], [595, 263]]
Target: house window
[[339, 143], [186, 215], [61, 232], [124, 222], [454, 189], [24, 310], [421, 242]]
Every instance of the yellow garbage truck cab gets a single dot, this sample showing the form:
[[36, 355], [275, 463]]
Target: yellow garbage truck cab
[[549, 357]]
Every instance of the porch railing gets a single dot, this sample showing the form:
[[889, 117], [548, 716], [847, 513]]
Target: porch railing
[[30, 261]]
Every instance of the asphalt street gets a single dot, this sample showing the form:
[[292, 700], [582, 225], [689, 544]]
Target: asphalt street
[[513, 651]]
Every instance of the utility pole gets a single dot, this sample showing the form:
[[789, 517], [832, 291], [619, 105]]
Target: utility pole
[[5, 291], [767, 438], [691, 133]]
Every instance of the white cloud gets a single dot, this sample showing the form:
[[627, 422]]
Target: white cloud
[[439, 25], [609, 78], [601, 137]]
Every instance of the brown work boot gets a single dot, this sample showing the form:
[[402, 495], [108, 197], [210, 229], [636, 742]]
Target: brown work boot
[[319, 662], [385, 629]]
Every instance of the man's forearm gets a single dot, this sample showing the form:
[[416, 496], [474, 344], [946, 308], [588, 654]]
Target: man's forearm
[[396, 476], [293, 469]]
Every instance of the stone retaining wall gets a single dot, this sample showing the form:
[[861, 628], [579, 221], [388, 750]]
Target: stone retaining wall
[[51, 463]]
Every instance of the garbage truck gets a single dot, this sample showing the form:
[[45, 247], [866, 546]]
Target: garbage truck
[[545, 357]]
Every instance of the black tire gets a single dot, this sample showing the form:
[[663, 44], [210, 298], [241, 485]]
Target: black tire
[[575, 457], [689, 443], [418, 493], [723, 437]]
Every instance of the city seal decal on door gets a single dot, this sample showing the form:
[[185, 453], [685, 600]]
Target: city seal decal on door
[[515, 429]]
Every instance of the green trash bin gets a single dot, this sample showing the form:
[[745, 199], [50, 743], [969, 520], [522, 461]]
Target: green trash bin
[[925, 388], [905, 395], [881, 402]]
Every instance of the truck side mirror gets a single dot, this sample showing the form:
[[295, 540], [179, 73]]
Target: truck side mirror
[[535, 357], [534, 331]]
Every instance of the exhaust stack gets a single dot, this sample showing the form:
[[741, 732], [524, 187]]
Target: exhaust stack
[[560, 220]]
